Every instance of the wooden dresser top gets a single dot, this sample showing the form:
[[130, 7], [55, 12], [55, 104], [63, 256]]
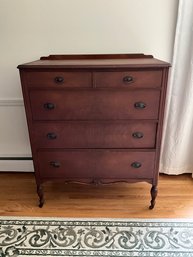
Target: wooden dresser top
[[95, 61]]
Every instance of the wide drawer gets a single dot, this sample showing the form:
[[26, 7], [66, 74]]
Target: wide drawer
[[96, 164], [94, 104], [58, 79], [89, 134], [129, 79]]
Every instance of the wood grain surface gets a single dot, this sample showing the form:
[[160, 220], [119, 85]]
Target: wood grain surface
[[18, 198]]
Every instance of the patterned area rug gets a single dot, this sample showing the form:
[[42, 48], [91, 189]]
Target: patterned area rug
[[102, 237]]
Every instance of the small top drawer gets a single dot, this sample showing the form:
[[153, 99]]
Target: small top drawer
[[129, 79], [57, 79]]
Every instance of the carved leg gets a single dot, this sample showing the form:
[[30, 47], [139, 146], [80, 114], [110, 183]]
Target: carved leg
[[41, 195], [153, 196]]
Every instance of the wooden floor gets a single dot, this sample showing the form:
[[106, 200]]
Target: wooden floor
[[18, 198]]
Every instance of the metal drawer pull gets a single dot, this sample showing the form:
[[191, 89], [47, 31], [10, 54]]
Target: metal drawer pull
[[49, 106], [128, 79], [51, 136], [55, 164], [136, 165], [139, 105], [59, 80], [137, 134]]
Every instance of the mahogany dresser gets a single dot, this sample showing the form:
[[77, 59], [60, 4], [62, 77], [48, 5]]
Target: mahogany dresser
[[95, 118]]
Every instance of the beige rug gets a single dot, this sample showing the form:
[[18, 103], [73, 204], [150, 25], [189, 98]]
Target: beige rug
[[29, 237]]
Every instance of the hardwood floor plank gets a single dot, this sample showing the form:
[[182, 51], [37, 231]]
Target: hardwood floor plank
[[18, 198]]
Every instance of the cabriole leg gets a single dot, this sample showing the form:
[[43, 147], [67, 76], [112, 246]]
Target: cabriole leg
[[153, 196]]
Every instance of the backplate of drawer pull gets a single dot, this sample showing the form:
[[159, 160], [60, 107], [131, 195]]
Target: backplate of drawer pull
[[49, 106], [55, 164], [51, 136], [136, 165], [140, 105], [128, 79], [137, 134], [59, 80]]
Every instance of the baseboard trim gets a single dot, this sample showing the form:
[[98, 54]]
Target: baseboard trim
[[11, 102], [15, 158], [16, 164]]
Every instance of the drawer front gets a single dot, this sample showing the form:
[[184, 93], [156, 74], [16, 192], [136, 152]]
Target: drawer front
[[129, 79], [93, 164], [94, 104], [58, 79], [121, 134]]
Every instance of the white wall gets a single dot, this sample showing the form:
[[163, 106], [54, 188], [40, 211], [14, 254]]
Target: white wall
[[33, 28]]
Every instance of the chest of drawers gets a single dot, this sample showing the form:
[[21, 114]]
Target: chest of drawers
[[95, 118]]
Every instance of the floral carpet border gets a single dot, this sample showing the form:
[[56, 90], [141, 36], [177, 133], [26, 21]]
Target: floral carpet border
[[27, 237]]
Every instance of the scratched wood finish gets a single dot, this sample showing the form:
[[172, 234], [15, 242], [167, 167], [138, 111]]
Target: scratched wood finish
[[18, 198]]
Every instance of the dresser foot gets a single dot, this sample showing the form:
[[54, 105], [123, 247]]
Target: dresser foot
[[41, 195], [153, 197], [41, 204]]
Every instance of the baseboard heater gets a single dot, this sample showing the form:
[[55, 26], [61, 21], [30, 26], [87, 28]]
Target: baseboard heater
[[16, 164]]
